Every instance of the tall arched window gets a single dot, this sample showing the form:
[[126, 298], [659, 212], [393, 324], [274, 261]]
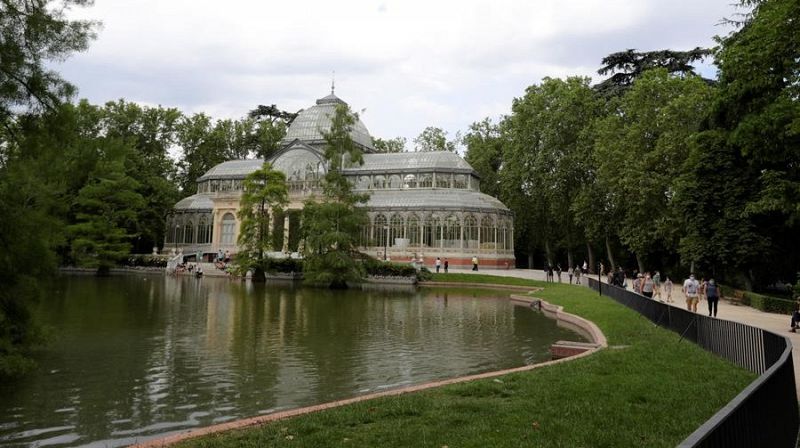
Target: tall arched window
[[228, 229], [502, 236], [395, 229], [430, 229], [452, 232], [178, 233], [379, 182], [413, 231], [395, 181], [488, 232], [379, 231], [202, 231], [470, 232], [188, 233]]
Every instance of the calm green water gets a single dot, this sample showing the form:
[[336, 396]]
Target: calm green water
[[135, 357]]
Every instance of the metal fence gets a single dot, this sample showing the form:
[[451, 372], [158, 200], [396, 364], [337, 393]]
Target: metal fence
[[765, 413]]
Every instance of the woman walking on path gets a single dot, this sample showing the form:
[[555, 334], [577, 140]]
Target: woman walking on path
[[647, 286], [713, 294], [668, 290]]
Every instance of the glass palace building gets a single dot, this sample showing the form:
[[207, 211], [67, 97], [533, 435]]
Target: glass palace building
[[422, 205]]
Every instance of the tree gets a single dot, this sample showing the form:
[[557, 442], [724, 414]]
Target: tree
[[484, 145], [264, 195], [397, 144], [32, 33], [106, 206], [641, 149], [331, 226], [627, 66], [754, 128], [433, 139]]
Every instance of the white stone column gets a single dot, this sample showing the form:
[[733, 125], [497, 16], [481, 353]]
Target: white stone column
[[286, 232]]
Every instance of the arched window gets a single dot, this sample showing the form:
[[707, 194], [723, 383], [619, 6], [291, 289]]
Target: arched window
[[410, 181], [452, 232], [470, 232], [379, 182], [188, 233], [178, 234], [442, 180], [413, 231], [394, 181], [395, 230], [430, 232], [363, 183], [228, 229], [425, 181], [379, 231], [502, 236], [460, 181], [202, 231], [488, 232]]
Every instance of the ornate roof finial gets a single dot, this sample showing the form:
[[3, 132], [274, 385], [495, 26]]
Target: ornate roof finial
[[333, 82]]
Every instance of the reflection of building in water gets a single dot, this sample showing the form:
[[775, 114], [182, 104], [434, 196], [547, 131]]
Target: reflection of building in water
[[422, 205]]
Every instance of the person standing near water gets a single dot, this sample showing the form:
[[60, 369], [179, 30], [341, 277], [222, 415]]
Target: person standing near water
[[446, 265], [438, 264], [474, 263]]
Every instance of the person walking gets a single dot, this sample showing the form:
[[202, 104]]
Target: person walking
[[569, 273], [713, 294], [648, 286], [446, 265], [577, 275], [474, 263], [689, 289], [657, 285], [558, 272], [668, 289], [438, 264]]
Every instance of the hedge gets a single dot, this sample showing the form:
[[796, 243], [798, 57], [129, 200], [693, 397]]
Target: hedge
[[146, 260], [767, 303]]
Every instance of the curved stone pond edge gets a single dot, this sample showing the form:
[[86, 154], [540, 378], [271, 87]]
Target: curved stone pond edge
[[578, 324]]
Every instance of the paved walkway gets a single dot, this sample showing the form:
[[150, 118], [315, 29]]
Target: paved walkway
[[777, 323]]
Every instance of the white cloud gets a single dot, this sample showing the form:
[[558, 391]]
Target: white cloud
[[410, 63]]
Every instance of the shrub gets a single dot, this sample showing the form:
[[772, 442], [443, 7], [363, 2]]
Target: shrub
[[146, 261], [767, 303], [424, 274], [283, 265], [378, 268]]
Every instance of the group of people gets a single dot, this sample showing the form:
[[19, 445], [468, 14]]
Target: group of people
[[572, 273], [652, 287], [438, 264], [698, 290]]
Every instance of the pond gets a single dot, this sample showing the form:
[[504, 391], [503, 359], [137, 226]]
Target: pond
[[137, 357]]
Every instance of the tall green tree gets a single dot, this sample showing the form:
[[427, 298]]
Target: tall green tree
[[754, 128], [627, 66], [484, 145], [641, 149], [264, 195], [332, 225], [434, 139], [106, 207], [32, 35]]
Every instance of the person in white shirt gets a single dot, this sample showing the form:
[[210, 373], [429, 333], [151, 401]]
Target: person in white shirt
[[690, 287]]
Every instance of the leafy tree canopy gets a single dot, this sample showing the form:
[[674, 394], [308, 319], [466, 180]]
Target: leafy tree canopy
[[397, 144], [626, 66], [434, 139]]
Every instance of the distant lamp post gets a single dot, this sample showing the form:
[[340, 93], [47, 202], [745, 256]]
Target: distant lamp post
[[599, 279], [386, 243], [177, 227]]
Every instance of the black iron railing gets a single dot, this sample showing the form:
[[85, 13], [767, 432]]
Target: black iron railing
[[765, 413]]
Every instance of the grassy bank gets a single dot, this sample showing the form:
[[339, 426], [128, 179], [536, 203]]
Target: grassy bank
[[648, 389]]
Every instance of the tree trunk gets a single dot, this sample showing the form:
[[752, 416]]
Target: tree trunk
[[258, 274], [547, 253], [592, 266], [610, 256], [569, 259], [530, 260], [640, 263]]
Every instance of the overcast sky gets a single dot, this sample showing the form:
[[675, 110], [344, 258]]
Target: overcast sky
[[407, 64]]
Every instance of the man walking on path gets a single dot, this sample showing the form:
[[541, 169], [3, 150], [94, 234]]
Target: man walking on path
[[668, 290], [657, 285], [690, 291], [474, 263], [446, 265]]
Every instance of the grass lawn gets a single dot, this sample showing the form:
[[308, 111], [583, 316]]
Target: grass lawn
[[646, 390]]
